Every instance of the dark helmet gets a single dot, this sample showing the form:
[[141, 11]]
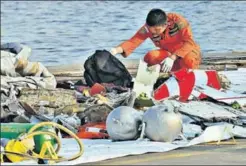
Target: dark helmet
[[156, 17]]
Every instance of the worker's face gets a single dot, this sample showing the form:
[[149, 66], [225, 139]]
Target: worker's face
[[157, 30]]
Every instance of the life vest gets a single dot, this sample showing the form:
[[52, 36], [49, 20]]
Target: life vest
[[93, 130], [183, 82]]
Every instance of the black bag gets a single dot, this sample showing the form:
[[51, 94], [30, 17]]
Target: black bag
[[102, 67]]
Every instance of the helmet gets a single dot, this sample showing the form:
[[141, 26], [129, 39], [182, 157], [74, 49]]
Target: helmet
[[123, 123], [162, 123]]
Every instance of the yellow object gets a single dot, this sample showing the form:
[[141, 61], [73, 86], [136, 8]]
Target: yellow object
[[86, 92], [47, 147], [101, 98], [25, 144], [16, 146], [29, 143], [16, 151], [1, 159]]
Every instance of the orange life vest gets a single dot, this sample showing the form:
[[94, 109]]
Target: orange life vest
[[93, 131]]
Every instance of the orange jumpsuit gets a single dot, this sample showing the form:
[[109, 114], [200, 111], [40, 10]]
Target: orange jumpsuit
[[176, 39]]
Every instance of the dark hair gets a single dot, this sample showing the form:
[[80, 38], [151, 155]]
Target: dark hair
[[156, 17]]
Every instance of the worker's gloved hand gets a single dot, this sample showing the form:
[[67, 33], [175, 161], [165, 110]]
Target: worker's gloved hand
[[113, 51], [167, 64]]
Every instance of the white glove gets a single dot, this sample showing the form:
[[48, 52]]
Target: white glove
[[167, 65], [113, 51]]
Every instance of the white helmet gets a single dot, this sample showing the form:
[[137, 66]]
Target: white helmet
[[162, 123], [123, 122]]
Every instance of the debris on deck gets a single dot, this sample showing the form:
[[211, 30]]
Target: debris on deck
[[194, 106]]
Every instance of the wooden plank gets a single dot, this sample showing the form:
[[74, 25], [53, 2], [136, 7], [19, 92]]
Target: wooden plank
[[240, 62], [233, 54]]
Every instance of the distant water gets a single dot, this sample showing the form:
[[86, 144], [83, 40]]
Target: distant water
[[63, 32]]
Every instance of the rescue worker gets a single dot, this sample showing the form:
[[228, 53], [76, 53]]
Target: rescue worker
[[172, 34]]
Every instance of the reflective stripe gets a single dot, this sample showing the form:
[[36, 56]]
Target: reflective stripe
[[173, 87], [201, 77]]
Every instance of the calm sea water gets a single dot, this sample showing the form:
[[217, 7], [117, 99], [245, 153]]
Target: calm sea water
[[63, 32]]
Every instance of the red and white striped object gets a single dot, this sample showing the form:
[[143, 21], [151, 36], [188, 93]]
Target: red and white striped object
[[182, 83]]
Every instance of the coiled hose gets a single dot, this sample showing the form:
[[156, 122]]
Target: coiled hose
[[36, 156]]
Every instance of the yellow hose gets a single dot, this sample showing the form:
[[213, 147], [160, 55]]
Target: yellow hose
[[55, 125], [32, 133]]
